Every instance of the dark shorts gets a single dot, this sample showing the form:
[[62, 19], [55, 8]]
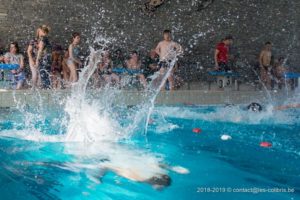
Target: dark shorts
[[105, 72], [223, 67], [164, 64]]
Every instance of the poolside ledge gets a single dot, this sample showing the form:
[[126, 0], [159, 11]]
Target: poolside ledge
[[10, 99]]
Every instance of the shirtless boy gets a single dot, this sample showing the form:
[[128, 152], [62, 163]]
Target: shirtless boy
[[265, 64], [168, 51]]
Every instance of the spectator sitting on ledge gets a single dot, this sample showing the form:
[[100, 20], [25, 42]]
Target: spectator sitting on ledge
[[134, 68], [14, 57], [118, 60], [105, 69]]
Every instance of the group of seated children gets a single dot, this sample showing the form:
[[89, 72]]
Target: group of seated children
[[111, 69]]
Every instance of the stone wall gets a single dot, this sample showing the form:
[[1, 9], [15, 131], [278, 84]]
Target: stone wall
[[251, 22]]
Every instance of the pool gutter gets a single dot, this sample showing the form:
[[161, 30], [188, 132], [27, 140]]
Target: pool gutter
[[10, 99]]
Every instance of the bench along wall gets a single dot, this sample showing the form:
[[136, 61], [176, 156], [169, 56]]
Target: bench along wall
[[198, 28]]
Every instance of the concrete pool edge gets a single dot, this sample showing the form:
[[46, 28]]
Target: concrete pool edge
[[9, 99]]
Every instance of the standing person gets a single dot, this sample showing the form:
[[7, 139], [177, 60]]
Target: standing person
[[32, 50], [14, 57], [168, 50], [265, 59], [44, 56], [74, 60], [222, 54]]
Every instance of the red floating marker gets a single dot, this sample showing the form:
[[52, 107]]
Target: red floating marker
[[265, 144], [197, 130]]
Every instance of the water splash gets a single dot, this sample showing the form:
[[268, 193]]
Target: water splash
[[89, 121]]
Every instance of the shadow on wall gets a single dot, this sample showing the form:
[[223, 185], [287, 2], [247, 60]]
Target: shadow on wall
[[151, 5], [202, 4]]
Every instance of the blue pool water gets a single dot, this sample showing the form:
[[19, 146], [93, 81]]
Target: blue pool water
[[36, 163]]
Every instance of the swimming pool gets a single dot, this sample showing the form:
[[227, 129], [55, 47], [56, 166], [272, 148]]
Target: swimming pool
[[38, 163]]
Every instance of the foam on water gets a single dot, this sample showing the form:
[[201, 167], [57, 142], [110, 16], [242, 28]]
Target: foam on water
[[87, 125], [115, 156], [88, 122], [234, 114], [32, 135]]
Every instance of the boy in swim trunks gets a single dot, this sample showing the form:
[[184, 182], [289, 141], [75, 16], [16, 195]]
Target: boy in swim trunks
[[168, 50], [265, 58]]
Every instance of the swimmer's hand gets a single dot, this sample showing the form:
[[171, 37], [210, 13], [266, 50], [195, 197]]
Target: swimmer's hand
[[177, 169], [180, 170]]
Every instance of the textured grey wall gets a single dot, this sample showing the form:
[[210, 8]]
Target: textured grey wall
[[251, 22]]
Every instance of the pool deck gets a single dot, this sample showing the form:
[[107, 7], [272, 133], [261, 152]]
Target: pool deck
[[10, 99]]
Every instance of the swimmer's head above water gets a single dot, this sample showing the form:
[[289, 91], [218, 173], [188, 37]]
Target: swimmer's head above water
[[254, 107], [159, 181]]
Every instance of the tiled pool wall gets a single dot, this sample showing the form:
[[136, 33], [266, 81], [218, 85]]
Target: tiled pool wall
[[10, 99]]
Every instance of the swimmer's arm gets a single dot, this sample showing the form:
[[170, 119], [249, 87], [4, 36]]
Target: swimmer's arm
[[287, 107], [216, 58], [177, 169]]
